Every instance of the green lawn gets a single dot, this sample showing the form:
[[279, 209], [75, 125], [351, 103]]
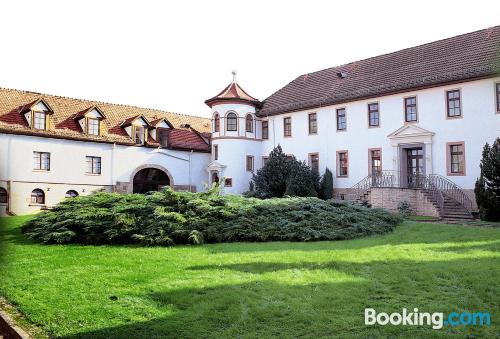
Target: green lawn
[[253, 290]]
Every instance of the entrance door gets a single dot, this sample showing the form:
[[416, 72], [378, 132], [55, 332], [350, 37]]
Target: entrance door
[[415, 166]]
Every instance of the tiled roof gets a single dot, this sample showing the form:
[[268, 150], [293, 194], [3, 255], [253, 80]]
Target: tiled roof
[[186, 139], [232, 92], [65, 110], [465, 57]]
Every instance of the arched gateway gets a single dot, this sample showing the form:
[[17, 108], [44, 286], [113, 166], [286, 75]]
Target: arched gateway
[[150, 179]]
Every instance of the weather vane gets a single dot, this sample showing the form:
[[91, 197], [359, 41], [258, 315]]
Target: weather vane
[[234, 75]]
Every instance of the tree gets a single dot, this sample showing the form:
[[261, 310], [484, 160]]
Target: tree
[[283, 175], [326, 185], [487, 188]]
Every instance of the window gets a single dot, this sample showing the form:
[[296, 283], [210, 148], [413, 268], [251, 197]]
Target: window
[[216, 122], [313, 123], [37, 196], [410, 109], [497, 91], [342, 164], [456, 158], [139, 135], [249, 163], [287, 127], [39, 120], [92, 126], [231, 122], [93, 165], [314, 162], [3, 196], [375, 159], [341, 119], [265, 129], [264, 161], [216, 152], [453, 105], [373, 115], [71, 194], [41, 161], [228, 182], [249, 123]]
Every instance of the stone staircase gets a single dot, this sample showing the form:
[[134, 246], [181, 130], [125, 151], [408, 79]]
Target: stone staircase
[[449, 200], [453, 211]]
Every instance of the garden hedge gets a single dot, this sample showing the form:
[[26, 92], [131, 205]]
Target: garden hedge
[[169, 217]]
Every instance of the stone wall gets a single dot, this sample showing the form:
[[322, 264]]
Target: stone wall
[[389, 199], [126, 187]]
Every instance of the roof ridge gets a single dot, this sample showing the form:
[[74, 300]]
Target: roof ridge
[[102, 102], [399, 50]]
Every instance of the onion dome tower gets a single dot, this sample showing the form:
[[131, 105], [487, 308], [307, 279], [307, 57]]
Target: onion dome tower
[[236, 138]]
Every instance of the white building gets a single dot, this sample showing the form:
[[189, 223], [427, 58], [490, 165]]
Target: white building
[[408, 125]]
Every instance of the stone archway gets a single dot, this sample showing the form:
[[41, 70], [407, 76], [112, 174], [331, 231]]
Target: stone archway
[[148, 178]]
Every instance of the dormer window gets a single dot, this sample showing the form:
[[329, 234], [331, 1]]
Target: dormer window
[[36, 114], [137, 127], [92, 126], [158, 130], [39, 120], [139, 135], [90, 120]]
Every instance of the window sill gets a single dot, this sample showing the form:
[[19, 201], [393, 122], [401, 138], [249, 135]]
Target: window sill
[[37, 205], [41, 170], [93, 174], [342, 176], [454, 117], [374, 126], [456, 174], [342, 130]]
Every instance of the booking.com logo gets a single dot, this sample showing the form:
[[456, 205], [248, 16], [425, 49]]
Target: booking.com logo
[[436, 319]]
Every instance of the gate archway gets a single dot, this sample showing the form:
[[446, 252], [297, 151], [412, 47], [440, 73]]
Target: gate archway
[[150, 179]]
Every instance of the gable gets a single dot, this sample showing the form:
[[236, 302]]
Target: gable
[[40, 107], [410, 130], [95, 114]]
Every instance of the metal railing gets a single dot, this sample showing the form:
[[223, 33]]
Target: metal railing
[[379, 179], [451, 190], [435, 185]]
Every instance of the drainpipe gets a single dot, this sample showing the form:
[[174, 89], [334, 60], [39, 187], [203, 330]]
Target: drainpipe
[[189, 180]]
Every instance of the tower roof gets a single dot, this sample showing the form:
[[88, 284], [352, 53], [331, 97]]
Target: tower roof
[[233, 92]]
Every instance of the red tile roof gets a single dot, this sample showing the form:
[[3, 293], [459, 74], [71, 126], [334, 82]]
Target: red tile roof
[[186, 139], [65, 126], [233, 92], [461, 58]]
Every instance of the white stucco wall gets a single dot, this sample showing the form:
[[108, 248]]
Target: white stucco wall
[[480, 124], [68, 167]]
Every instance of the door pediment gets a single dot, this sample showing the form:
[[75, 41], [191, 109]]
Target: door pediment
[[410, 134], [215, 166]]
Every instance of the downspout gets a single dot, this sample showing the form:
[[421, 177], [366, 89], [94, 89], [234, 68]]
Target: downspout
[[9, 181], [113, 184], [189, 178]]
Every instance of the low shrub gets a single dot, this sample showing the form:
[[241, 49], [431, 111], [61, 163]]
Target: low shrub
[[168, 217], [404, 208]]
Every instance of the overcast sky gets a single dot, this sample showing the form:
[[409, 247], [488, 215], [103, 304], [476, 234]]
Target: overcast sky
[[173, 55]]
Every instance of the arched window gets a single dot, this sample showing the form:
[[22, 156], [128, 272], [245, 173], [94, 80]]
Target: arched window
[[249, 123], [37, 196], [3, 196], [71, 194], [231, 122], [216, 122]]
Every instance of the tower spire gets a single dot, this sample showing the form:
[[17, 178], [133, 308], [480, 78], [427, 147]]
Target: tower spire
[[234, 75]]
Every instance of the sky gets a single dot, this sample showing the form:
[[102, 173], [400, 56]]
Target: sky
[[172, 55]]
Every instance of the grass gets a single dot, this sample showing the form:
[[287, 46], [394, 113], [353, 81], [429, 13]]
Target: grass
[[284, 289]]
